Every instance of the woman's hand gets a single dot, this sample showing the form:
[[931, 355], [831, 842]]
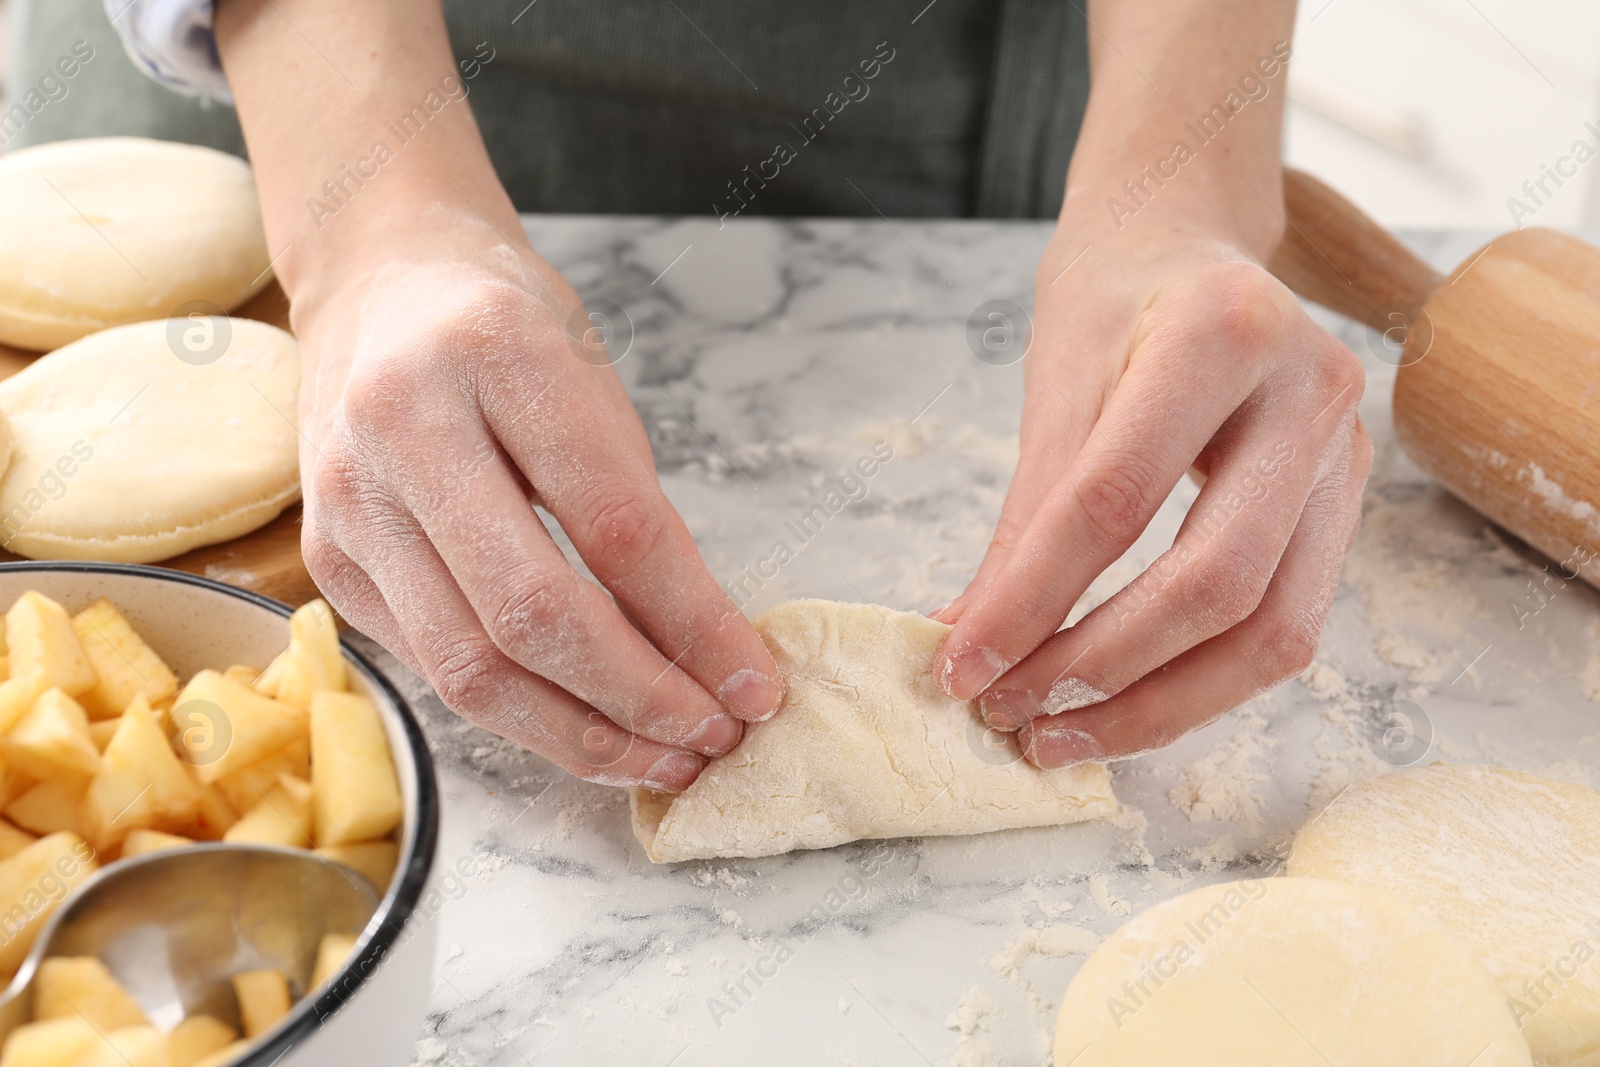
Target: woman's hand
[[450, 382], [1165, 347]]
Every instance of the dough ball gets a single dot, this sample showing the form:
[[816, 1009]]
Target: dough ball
[[1508, 861], [122, 450], [100, 232], [865, 746], [1285, 972]]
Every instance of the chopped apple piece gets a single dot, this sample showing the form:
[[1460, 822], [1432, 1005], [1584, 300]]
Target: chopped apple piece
[[32, 885], [314, 662], [141, 785], [373, 859], [42, 644], [225, 1056], [263, 999], [358, 794], [282, 818], [13, 840], [68, 986], [125, 667], [213, 819], [223, 725], [245, 787], [196, 1038], [242, 674], [49, 806], [55, 1043], [16, 697], [52, 739], [331, 956], [139, 842], [133, 1046]]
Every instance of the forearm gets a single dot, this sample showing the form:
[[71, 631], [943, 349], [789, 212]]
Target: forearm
[[1185, 117], [358, 129]]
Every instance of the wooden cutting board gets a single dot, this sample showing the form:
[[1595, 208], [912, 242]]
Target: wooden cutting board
[[267, 561]]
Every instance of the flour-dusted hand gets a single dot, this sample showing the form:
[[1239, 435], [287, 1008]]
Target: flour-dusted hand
[[451, 378], [1162, 344]]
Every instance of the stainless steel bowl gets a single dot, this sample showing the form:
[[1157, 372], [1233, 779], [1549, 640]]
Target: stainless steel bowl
[[371, 1012]]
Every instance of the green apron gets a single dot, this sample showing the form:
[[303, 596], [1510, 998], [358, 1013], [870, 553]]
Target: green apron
[[725, 107]]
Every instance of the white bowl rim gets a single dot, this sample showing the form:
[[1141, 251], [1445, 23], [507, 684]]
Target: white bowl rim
[[397, 905]]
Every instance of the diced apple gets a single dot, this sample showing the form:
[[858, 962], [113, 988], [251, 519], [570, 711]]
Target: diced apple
[[134, 1046], [282, 818], [42, 644], [357, 791], [332, 953], [124, 665], [242, 674], [139, 842], [263, 999], [55, 1043], [13, 840], [52, 739], [373, 859], [315, 662], [225, 1056], [50, 806], [214, 817], [245, 787], [80, 986], [32, 885], [196, 1038], [16, 698], [141, 783], [223, 725]]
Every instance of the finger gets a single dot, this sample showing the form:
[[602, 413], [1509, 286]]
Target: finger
[[1276, 642], [353, 594], [479, 682], [620, 522], [1178, 392], [540, 612], [1218, 568], [1054, 428]]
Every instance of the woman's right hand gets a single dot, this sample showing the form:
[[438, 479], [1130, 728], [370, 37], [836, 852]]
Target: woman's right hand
[[445, 391]]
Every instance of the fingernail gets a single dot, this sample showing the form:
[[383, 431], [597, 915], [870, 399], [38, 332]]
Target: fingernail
[[1010, 709], [937, 614], [1069, 694], [751, 694], [716, 736], [965, 676], [674, 773], [1052, 744]]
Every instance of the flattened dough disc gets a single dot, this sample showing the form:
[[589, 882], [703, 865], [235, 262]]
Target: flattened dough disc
[[1285, 972], [100, 232], [1509, 861], [866, 746], [123, 451]]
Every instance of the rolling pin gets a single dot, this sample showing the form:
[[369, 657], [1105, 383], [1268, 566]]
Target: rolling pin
[[1497, 393]]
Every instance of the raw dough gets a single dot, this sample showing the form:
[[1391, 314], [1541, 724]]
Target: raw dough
[[1285, 972], [99, 232], [122, 451], [1509, 861], [866, 746]]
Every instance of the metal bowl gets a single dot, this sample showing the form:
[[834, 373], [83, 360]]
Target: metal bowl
[[371, 1012]]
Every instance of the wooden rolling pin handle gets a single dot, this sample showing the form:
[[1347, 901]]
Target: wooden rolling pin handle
[[1334, 255]]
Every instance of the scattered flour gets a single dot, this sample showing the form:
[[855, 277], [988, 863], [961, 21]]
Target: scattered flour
[[908, 439], [844, 1006], [1100, 890], [1050, 910], [1219, 785], [1053, 942], [677, 968], [971, 1019]]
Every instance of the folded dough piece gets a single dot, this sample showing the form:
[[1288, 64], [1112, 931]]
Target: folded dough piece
[[866, 746]]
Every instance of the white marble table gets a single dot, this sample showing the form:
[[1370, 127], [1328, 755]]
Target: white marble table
[[766, 357]]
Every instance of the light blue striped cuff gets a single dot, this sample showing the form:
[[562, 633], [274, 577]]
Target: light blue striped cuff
[[172, 42]]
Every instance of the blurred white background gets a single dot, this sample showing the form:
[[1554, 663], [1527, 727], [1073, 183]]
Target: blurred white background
[[1433, 113]]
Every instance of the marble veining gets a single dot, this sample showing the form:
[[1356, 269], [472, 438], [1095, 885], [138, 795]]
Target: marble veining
[[765, 358]]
